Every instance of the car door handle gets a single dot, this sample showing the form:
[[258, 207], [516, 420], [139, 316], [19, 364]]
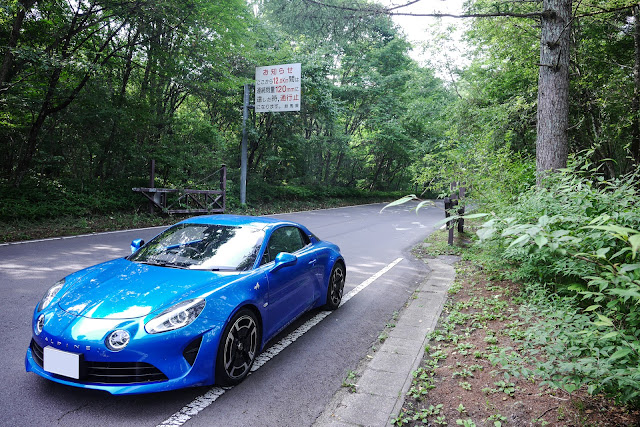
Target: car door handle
[[313, 262]]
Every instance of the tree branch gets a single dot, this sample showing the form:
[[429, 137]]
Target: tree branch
[[404, 5], [471, 15], [602, 11], [392, 11]]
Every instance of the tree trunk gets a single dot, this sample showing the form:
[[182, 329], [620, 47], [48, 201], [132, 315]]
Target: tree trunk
[[327, 167], [336, 174], [106, 155], [24, 160], [552, 145], [372, 186], [635, 103], [23, 7], [29, 149]]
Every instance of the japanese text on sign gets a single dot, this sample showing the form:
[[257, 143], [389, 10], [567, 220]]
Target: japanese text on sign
[[278, 88]]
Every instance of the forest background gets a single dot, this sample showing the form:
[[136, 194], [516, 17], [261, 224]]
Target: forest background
[[91, 91]]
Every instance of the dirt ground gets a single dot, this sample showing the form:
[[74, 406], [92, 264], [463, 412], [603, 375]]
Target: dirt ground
[[458, 385]]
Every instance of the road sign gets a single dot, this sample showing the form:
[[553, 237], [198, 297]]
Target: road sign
[[278, 88]]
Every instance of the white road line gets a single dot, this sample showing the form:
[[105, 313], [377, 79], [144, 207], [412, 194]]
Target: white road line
[[202, 402], [367, 282]]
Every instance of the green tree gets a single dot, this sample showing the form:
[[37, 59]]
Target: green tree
[[112, 71], [355, 80]]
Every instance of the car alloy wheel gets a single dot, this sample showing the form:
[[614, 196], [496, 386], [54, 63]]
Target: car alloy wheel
[[336, 287], [239, 347]]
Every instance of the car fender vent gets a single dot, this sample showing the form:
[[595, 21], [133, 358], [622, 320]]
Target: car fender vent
[[191, 351], [37, 353]]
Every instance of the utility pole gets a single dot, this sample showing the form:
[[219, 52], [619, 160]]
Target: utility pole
[[243, 155]]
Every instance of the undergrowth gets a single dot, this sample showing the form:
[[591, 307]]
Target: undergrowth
[[38, 200], [574, 243], [488, 361], [568, 250]]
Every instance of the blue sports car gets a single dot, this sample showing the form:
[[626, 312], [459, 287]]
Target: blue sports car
[[192, 307]]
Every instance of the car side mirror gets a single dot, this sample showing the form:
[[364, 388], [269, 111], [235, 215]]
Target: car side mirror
[[284, 259], [136, 244]]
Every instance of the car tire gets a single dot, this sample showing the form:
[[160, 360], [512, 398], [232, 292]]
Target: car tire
[[335, 287], [238, 348]]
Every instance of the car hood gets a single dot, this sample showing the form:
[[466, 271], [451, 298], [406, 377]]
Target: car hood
[[121, 289]]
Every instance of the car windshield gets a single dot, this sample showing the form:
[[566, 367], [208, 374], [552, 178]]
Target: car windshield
[[203, 247]]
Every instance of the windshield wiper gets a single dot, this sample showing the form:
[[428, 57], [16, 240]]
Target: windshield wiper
[[162, 264], [215, 269]]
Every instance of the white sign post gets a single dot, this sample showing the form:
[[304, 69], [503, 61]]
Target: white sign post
[[278, 88]]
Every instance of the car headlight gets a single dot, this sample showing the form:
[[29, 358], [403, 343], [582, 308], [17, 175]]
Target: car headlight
[[176, 317], [50, 294]]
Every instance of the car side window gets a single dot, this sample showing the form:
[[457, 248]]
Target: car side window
[[284, 239]]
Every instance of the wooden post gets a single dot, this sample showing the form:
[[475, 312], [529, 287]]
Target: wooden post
[[152, 174], [461, 192], [152, 181], [223, 186], [448, 204]]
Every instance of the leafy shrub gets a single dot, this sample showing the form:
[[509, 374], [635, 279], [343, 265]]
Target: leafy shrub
[[578, 236], [44, 199], [492, 173], [265, 193], [41, 199]]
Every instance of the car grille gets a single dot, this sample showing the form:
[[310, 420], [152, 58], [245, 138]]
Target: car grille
[[109, 372], [122, 372]]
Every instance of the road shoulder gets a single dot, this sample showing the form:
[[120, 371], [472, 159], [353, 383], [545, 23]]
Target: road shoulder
[[386, 375]]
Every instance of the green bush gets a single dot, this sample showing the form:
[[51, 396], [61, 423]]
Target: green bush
[[265, 193], [52, 199], [577, 237], [46, 199]]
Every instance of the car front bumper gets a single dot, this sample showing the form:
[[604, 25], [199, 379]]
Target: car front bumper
[[150, 363]]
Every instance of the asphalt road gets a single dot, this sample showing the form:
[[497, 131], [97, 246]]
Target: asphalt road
[[292, 389]]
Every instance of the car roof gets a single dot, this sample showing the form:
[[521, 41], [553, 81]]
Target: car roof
[[238, 220]]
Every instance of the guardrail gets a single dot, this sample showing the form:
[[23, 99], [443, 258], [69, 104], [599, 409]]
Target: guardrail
[[188, 201]]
